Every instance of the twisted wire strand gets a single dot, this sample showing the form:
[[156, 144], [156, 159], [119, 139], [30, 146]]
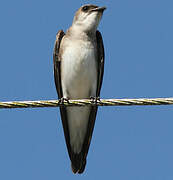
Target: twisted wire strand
[[87, 102]]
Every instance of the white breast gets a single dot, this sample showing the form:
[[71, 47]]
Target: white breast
[[79, 80], [78, 70]]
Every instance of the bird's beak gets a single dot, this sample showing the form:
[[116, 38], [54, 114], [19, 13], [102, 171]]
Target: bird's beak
[[99, 9]]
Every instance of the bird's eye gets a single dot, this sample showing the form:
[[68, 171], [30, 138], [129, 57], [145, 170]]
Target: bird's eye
[[85, 8]]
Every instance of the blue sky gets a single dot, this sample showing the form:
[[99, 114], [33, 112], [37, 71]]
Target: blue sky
[[132, 143]]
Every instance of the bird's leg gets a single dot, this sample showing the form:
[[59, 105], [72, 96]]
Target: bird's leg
[[63, 100], [95, 99]]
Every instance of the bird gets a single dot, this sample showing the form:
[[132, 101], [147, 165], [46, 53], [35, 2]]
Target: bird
[[78, 59]]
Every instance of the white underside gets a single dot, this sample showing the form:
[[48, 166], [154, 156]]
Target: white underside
[[79, 80]]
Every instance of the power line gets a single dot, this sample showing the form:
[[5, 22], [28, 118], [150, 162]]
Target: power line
[[87, 102]]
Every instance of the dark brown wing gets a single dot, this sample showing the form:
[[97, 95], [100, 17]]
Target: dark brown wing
[[101, 59], [93, 113], [57, 78], [57, 63]]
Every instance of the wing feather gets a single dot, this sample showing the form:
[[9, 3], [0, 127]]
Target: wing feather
[[93, 113], [57, 78]]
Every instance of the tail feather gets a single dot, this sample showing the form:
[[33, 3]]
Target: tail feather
[[78, 163], [82, 168]]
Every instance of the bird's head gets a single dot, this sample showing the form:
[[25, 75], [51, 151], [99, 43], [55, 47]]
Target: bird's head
[[88, 17]]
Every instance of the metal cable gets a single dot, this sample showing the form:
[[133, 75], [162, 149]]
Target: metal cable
[[87, 102]]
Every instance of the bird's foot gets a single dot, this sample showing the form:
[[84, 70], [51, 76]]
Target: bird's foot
[[94, 99], [63, 100]]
